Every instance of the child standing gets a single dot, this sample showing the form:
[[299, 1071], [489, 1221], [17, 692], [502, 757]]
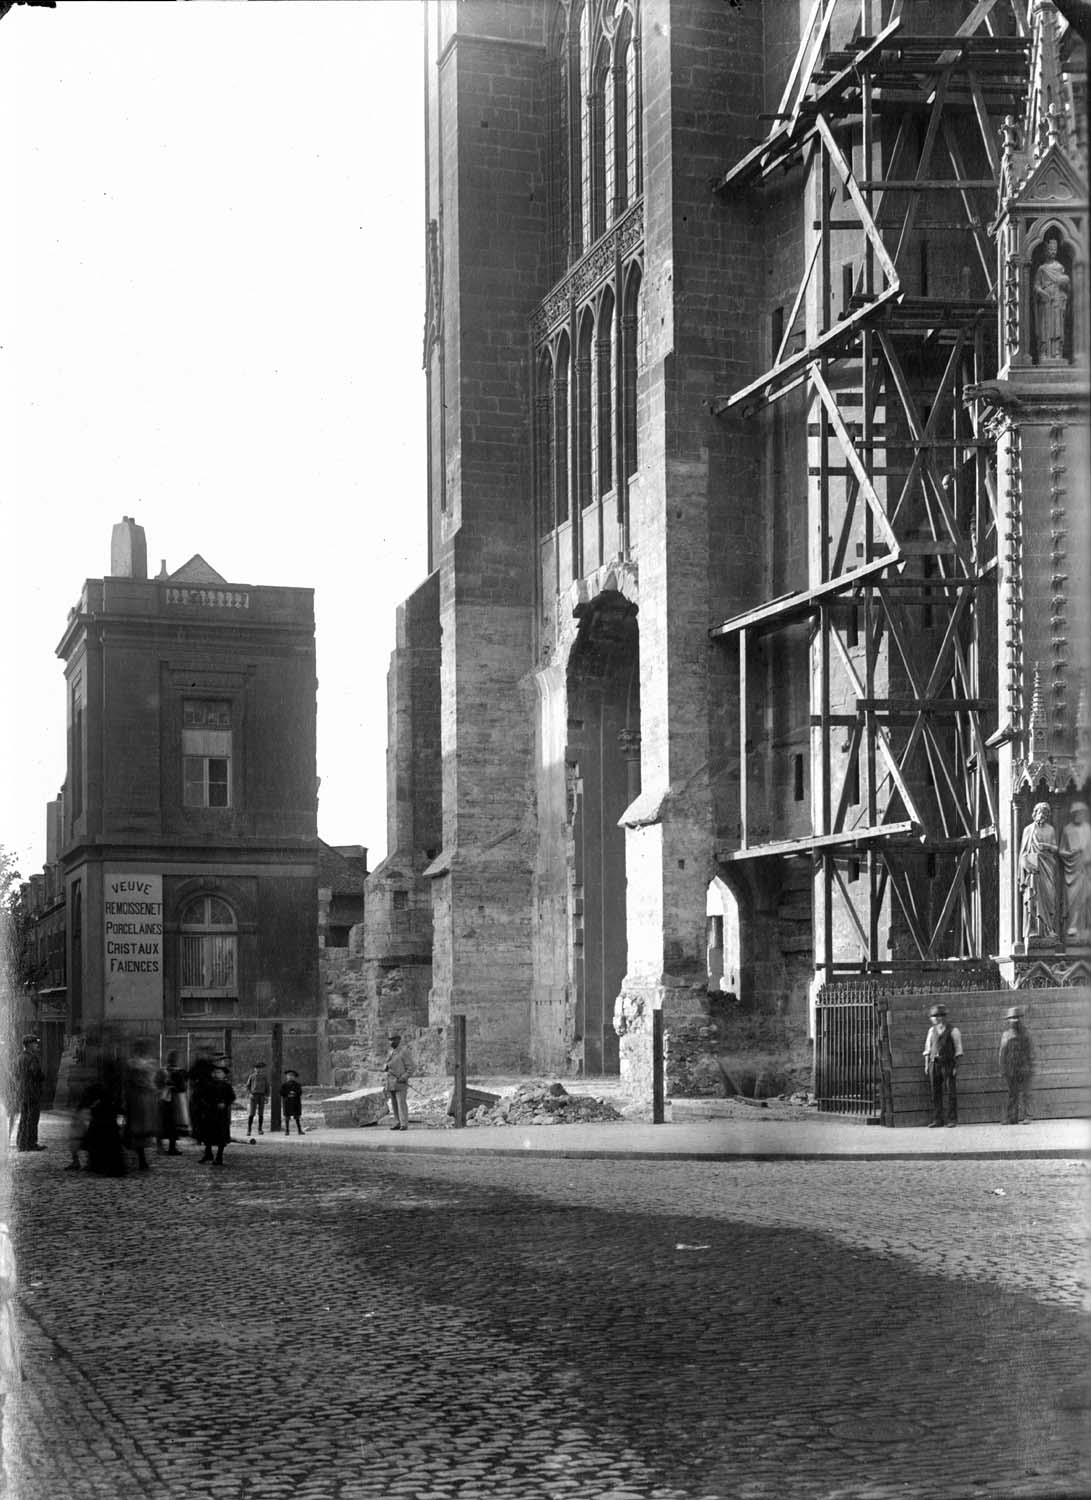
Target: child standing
[[257, 1086], [291, 1097]]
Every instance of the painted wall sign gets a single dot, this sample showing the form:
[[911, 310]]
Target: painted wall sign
[[132, 912]]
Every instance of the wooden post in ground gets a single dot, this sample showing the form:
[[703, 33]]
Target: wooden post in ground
[[657, 1067], [458, 1100], [277, 1071]]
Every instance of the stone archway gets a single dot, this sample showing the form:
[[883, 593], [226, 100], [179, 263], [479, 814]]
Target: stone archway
[[603, 694], [723, 952]]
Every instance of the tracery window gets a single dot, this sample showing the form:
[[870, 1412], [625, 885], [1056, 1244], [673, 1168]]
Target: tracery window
[[588, 333], [595, 115], [585, 428]]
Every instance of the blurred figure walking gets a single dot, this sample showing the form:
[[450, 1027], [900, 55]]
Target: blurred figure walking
[[141, 1102], [170, 1080]]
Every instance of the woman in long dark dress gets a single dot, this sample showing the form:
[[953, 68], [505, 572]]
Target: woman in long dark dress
[[217, 1097], [102, 1138]]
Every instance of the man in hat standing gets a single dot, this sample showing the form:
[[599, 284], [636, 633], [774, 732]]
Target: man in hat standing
[[942, 1054], [1016, 1067], [29, 1077], [397, 1082]]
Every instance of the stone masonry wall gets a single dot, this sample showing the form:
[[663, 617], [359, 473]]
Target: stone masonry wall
[[491, 100]]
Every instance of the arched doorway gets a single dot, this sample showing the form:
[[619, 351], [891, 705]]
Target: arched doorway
[[722, 950], [604, 760]]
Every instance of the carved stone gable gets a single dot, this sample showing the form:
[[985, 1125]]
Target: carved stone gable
[[1054, 180]]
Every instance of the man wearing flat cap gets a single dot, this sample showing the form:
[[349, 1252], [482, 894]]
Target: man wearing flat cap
[[1016, 1067], [942, 1055], [397, 1082], [29, 1076]]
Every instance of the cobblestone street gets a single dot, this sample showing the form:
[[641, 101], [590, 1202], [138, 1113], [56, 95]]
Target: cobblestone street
[[327, 1322]]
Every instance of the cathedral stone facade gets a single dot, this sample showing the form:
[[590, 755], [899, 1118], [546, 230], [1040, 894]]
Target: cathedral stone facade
[[756, 358]]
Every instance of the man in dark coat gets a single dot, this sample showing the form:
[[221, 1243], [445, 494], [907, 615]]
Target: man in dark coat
[[1016, 1067], [29, 1077]]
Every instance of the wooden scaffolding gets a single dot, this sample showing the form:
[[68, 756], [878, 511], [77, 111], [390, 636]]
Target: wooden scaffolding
[[901, 501]]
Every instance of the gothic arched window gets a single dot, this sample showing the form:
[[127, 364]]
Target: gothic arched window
[[630, 340], [627, 115], [543, 442], [561, 396], [602, 153], [604, 392], [584, 408]]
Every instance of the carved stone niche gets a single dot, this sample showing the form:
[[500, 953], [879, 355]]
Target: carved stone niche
[[1042, 237]]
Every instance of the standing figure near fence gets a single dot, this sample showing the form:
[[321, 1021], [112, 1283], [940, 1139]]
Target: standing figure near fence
[[1016, 1067], [141, 1102], [397, 1082], [29, 1079], [173, 1112], [291, 1101], [942, 1055], [257, 1087]]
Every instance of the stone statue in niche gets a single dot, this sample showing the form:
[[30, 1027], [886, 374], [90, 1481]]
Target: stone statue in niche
[[1075, 852], [1052, 288], [1038, 876]]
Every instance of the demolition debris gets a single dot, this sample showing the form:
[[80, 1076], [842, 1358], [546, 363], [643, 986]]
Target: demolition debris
[[542, 1104]]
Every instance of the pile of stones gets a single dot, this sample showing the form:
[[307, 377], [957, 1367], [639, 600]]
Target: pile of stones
[[542, 1104]]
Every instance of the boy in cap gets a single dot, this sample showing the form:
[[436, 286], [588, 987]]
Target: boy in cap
[[397, 1082], [1016, 1067], [942, 1052], [291, 1098], [257, 1086]]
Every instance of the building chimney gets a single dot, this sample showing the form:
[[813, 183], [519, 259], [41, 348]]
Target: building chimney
[[128, 550]]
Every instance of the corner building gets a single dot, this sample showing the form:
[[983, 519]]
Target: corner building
[[711, 621], [189, 847]]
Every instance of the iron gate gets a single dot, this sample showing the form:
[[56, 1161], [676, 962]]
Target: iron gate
[[848, 1052]]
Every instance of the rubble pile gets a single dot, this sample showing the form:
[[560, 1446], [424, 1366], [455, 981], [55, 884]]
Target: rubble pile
[[543, 1104]]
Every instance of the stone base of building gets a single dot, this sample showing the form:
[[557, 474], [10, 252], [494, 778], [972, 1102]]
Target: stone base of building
[[713, 1045]]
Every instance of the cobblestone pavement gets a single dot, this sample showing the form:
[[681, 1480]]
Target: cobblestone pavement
[[333, 1324]]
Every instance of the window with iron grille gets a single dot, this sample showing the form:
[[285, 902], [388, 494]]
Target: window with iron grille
[[209, 957]]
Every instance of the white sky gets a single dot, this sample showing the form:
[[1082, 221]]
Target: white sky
[[211, 319]]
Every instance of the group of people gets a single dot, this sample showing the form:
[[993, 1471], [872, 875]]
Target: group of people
[[943, 1054], [134, 1104]]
